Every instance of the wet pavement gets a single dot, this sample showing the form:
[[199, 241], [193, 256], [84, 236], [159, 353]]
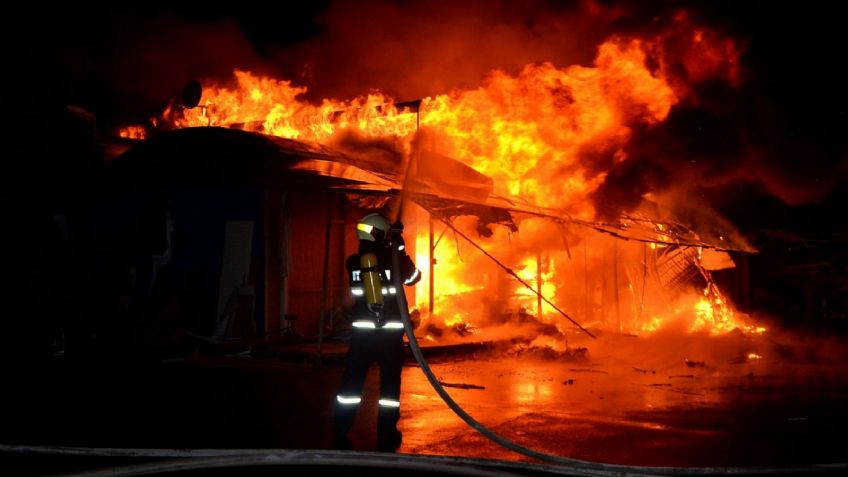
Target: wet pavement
[[713, 411], [659, 401]]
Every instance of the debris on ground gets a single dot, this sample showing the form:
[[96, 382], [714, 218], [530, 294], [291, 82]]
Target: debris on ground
[[644, 371], [464, 329], [568, 381], [433, 330], [461, 385], [576, 354], [549, 353], [690, 376], [693, 364], [667, 387]]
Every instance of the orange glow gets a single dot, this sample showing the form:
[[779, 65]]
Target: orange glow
[[712, 316], [451, 284], [715, 315], [652, 325], [133, 132], [525, 297], [531, 133]]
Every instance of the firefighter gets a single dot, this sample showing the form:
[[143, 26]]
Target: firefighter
[[377, 334]]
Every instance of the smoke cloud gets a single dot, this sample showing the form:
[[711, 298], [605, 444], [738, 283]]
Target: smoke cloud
[[774, 118]]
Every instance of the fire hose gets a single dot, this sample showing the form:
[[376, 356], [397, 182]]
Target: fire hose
[[577, 464]]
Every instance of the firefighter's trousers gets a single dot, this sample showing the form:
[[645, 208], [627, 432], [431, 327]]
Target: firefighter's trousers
[[367, 346]]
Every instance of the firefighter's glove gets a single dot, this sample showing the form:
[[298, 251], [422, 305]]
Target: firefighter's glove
[[397, 227], [398, 243]]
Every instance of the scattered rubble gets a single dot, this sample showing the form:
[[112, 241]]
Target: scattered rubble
[[546, 352], [464, 329], [461, 385], [576, 354], [644, 371]]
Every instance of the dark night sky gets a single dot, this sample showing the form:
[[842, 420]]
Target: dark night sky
[[772, 151]]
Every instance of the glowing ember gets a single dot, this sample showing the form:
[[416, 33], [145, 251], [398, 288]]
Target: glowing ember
[[133, 132]]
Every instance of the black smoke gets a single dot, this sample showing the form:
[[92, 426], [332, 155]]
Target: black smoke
[[777, 135], [781, 128]]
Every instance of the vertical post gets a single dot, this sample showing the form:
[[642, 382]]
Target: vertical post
[[325, 280], [644, 279], [410, 162], [285, 258], [432, 249], [586, 299], [341, 277], [615, 283], [604, 268], [743, 280], [272, 300], [539, 285]]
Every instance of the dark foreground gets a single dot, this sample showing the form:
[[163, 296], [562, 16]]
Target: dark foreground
[[701, 402]]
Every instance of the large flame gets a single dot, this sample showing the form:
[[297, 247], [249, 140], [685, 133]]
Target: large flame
[[530, 133]]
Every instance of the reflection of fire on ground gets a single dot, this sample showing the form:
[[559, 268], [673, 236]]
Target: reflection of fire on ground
[[712, 393], [547, 137], [665, 368]]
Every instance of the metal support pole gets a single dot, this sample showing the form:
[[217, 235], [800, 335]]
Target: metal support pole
[[539, 285], [432, 268], [615, 284], [325, 282]]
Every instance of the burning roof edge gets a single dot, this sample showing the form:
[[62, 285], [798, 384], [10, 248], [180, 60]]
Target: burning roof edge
[[447, 190], [222, 155], [634, 228]]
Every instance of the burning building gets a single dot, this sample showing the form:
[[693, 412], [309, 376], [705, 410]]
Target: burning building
[[533, 206]]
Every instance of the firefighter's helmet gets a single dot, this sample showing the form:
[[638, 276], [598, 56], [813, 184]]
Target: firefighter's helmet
[[372, 227]]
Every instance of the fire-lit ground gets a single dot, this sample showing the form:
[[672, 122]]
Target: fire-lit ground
[[676, 400], [664, 400]]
